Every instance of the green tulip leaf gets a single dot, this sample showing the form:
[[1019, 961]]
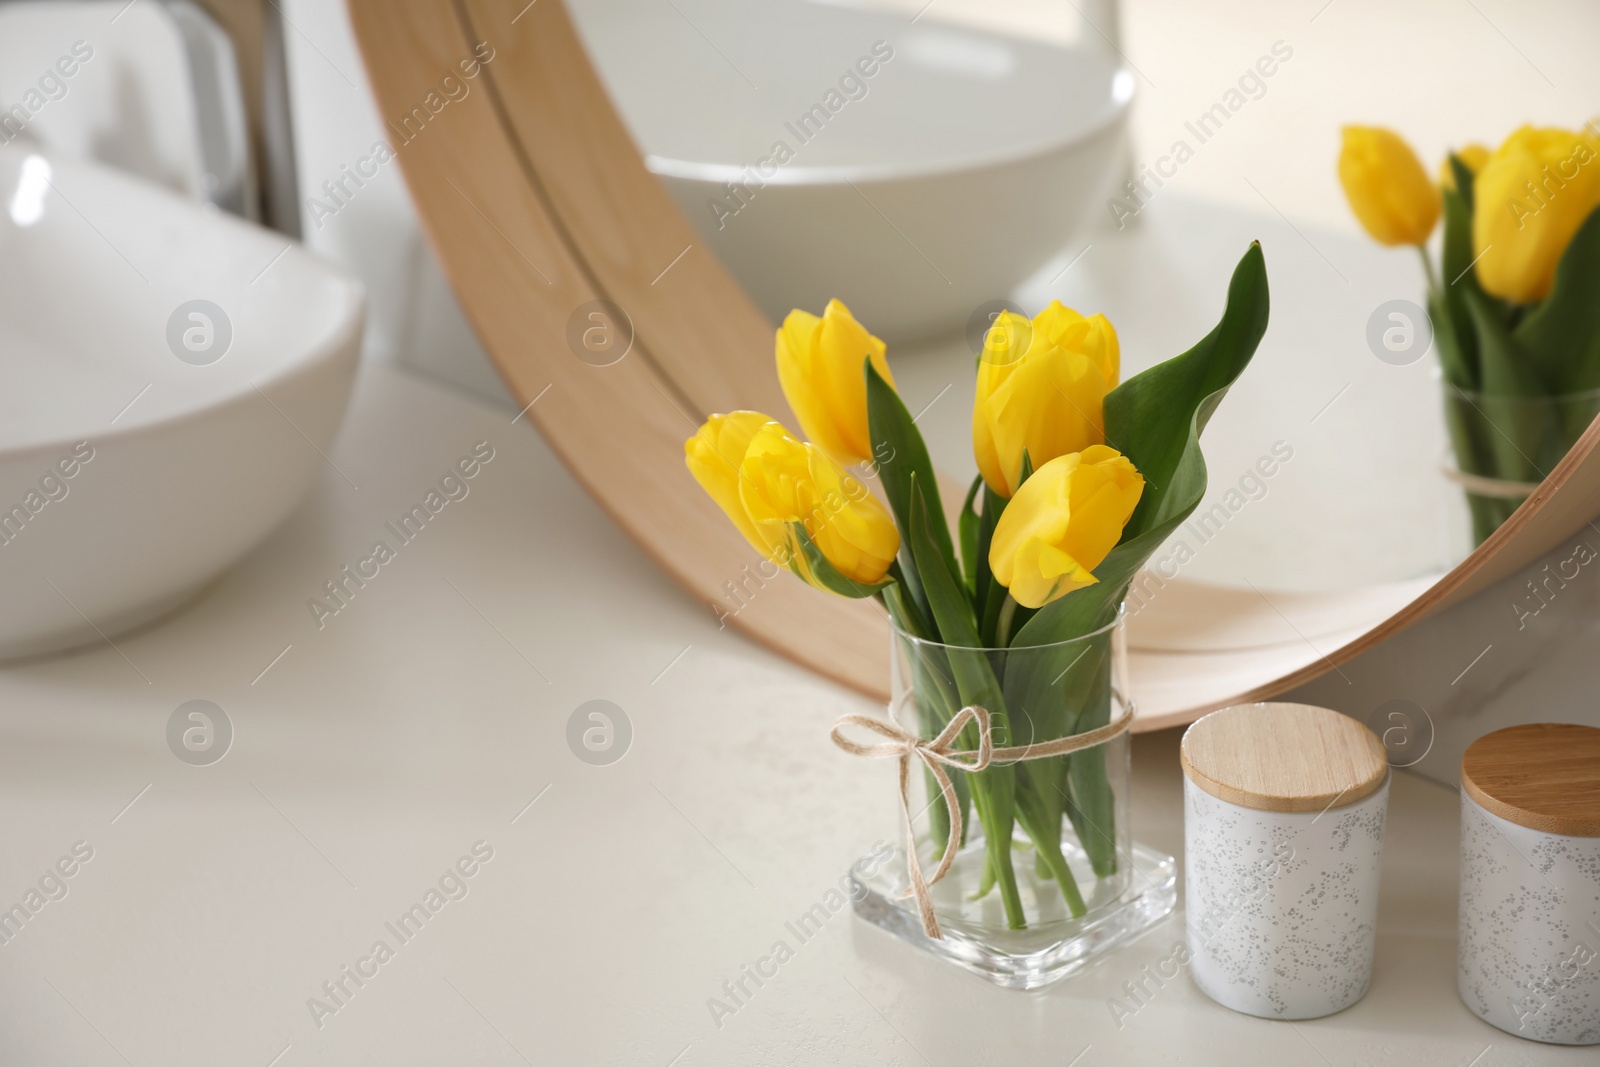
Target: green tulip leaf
[[952, 611], [902, 456], [909, 621], [1465, 180], [1561, 336], [994, 789], [824, 573], [1506, 368], [1156, 417], [1452, 323], [1506, 360], [968, 526], [990, 595], [1025, 469]]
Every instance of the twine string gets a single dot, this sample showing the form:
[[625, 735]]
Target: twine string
[[939, 753], [1485, 486]]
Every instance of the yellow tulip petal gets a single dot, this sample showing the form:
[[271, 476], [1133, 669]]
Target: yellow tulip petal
[[713, 456], [1050, 405], [820, 369], [1049, 400], [1062, 523], [1004, 345], [1387, 187], [854, 530], [1529, 199], [1093, 336], [784, 481]]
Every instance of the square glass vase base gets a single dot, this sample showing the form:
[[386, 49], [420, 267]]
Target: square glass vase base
[[1053, 946]]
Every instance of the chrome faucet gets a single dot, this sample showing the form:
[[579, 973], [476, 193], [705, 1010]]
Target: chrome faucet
[[249, 176]]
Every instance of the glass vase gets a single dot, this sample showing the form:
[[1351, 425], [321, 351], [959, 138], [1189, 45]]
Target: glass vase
[[1047, 875], [1504, 446]]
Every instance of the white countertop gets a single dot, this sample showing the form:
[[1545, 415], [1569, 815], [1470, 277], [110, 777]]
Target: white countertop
[[430, 714]]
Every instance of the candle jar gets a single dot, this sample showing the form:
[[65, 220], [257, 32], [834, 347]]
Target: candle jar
[[1284, 809], [1528, 957]]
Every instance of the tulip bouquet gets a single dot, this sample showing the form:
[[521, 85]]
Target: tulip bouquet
[[1514, 308], [1081, 480]]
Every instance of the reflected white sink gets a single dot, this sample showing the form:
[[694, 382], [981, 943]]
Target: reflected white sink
[[129, 477], [915, 171]]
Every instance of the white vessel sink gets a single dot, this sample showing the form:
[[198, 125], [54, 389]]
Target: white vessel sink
[[129, 477]]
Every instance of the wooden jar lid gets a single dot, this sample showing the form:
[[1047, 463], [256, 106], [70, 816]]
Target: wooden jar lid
[[1545, 776], [1283, 757]]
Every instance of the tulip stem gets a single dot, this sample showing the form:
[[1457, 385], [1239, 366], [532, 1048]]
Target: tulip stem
[[1427, 269], [1002, 630]]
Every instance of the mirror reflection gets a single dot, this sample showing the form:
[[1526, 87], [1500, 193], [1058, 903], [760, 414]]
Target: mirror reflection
[[1011, 157]]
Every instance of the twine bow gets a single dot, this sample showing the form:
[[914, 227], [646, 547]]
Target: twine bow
[[939, 753]]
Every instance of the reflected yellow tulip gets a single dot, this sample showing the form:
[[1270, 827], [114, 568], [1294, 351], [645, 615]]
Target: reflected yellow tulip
[[1528, 200], [820, 366], [1041, 387], [1387, 187], [1473, 155], [1063, 523]]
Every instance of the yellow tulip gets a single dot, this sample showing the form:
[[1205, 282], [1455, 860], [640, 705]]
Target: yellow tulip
[[1041, 387], [820, 369], [1063, 523], [784, 482], [1473, 155], [1387, 187], [1527, 202], [1094, 336], [713, 456]]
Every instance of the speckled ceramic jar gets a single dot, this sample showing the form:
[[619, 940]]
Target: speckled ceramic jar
[[1284, 810], [1528, 959]]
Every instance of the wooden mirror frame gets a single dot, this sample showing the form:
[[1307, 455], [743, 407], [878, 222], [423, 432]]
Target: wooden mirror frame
[[538, 205]]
